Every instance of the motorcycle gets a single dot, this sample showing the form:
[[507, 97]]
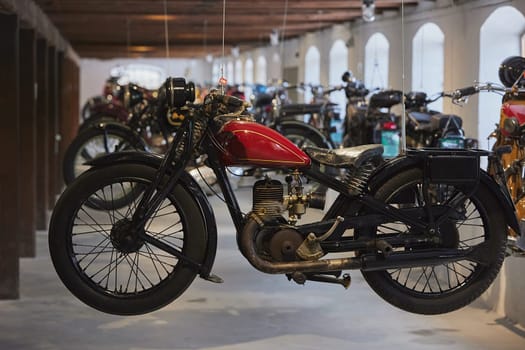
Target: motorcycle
[[429, 128], [149, 128], [116, 103], [423, 251], [509, 137], [273, 108], [371, 122]]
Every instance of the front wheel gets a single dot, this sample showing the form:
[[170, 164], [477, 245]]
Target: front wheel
[[475, 223], [100, 255], [93, 142]]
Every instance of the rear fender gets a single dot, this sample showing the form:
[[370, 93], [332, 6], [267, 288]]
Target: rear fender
[[390, 168], [186, 180]]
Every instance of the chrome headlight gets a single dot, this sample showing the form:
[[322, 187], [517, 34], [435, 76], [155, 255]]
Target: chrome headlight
[[511, 126]]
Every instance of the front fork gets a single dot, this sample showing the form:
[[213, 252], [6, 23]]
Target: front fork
[[173, 165]]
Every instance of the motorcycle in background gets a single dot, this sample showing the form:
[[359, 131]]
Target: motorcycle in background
[[429, 128], [273, 108], [368, 122], [149, 127], [155, 231], [116, 104]]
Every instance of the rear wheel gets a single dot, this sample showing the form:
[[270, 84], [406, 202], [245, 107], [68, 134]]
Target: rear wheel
[[441, 288], [100, 255], [304, 137]]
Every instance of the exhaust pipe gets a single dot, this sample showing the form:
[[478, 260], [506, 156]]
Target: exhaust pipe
[[367, 262], [247, 248]]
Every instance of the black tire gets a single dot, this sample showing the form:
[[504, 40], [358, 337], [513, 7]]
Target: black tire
[[447, 287], [93, 142], [303, 137], [97, 119], [103, 264]]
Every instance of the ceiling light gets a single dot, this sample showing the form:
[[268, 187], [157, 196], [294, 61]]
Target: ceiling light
[[369, 8]]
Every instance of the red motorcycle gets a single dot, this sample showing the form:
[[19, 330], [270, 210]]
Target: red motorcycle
[[115, 104], [427, 229]]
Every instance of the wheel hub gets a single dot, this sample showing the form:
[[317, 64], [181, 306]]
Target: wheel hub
[[125, 237]]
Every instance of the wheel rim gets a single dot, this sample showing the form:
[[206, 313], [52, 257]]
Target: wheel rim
[[112, 258], [96, 147], [468, 230]]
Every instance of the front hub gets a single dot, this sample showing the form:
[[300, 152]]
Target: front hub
[[125, 237]]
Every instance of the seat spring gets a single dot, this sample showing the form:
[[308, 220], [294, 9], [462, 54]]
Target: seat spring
[[357, 178]]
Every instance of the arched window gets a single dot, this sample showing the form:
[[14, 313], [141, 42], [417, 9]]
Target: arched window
[[248, 77], [229, 72], [260, 75], [238, 78], [500, 37], [428, 62], [376, 61], [312, 70], [216, 72], [145, 75], [338, 65]]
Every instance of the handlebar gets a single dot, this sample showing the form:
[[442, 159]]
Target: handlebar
[[458, 94]]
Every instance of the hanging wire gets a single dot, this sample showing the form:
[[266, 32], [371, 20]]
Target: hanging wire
[[222, 79], [283, 30], [166, 38], [403, 112]]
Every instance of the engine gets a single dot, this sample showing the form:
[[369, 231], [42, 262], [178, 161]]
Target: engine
[[280, 241]]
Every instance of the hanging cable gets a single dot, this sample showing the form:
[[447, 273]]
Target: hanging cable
[[222, 79], [283, 30], [166, 38], [403, 115]]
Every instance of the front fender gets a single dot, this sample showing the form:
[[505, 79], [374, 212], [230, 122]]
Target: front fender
[[394, 166], [186, 180]]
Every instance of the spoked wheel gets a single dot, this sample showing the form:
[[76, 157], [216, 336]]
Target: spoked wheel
[[91, 143], [101, 256], [436, 289], [303, 137]]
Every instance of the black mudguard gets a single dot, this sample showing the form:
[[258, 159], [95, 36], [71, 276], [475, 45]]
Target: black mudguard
[[154, 161], [388, 169]]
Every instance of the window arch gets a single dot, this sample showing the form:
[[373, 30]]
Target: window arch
[[376, 61], [497, 42], [428, 61], [248, 77], [312, 70], [229, 72], [260, 72], [237, 77], [338, 65]]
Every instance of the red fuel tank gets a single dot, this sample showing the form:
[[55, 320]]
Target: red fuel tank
[[515, 109], [250, 143]]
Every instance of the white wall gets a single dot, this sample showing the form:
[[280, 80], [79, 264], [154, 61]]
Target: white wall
[[94, 72]]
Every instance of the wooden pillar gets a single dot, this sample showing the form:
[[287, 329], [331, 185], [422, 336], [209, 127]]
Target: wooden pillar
[[52, 116], [9, 144], [59, 183], [69, 105], [42, 143], [27, 108]]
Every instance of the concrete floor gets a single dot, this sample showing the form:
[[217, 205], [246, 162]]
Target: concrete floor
[[251, 310]]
